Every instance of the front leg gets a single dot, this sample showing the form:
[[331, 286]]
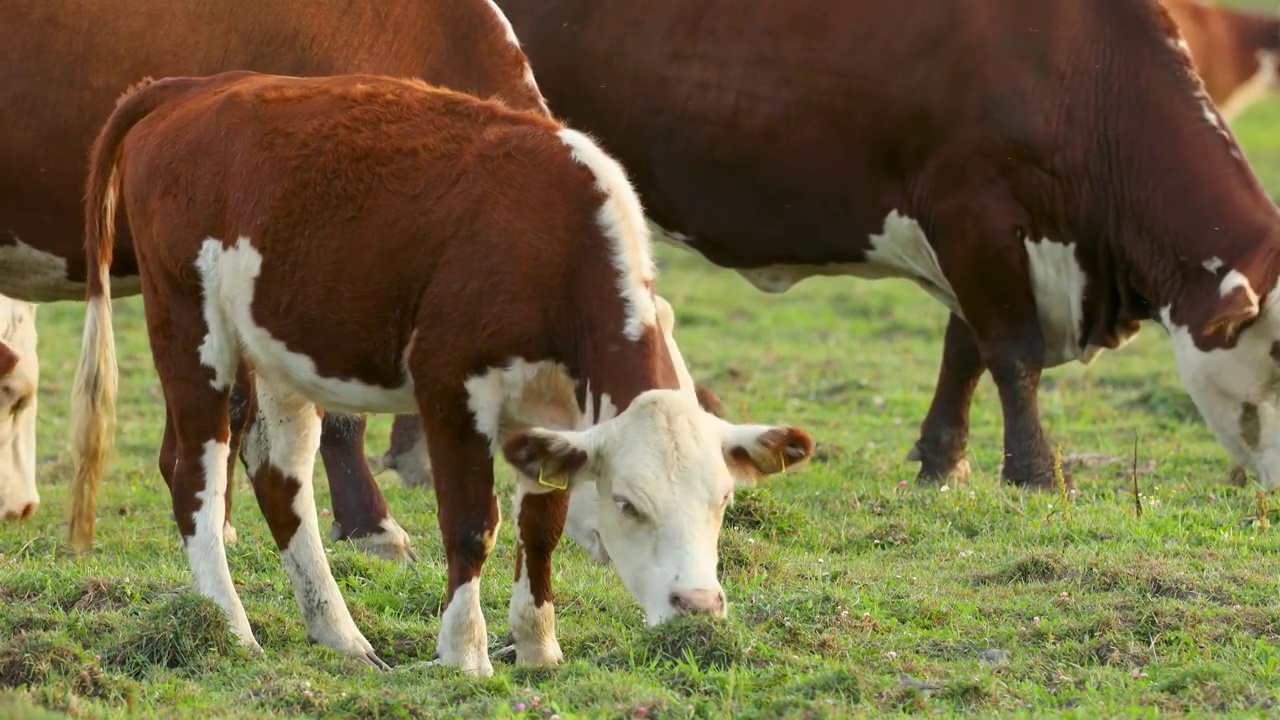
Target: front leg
[[1016, 367], [469, 517], [944, 433], [540, 520]]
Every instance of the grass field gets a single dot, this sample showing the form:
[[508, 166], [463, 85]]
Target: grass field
[[853, 592]]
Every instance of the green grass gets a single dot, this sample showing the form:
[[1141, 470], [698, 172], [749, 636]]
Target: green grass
[[852, 594]]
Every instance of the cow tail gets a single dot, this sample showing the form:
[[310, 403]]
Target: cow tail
[[93, 412]]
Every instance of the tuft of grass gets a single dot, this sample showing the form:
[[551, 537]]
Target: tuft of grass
[[1039, 567], [757, 509], [703, 642], [183, 632], [50, 658]]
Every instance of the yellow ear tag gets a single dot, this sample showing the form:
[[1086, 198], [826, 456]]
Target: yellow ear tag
[[547, 483]]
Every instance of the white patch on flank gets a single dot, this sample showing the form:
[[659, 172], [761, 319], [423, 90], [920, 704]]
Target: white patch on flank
[[1221, 381], [1213, 264], [901, 250], [229, 277], [528, 70], [37, 276], [1058, 282], [464, 640], [205, 551], [18, 401], [290, 434], [622, 220]]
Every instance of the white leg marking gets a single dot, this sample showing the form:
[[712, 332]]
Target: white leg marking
[[533, 627], [292, 430], [205, 551], [393, 543], [464, 640]]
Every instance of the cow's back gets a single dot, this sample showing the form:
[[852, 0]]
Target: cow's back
[[65, 62]]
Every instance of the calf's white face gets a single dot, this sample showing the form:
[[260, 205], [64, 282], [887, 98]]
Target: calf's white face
[[19, 376], [664, 471], [1237, 389]]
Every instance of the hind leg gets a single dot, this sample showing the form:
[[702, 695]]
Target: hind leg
[[198, 425], [280, 451]]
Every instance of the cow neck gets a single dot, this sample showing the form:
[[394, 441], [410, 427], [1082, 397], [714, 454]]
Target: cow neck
[[1181, 201], [613, 371]]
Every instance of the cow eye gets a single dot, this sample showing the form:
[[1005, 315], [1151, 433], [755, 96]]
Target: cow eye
[[626, 507]]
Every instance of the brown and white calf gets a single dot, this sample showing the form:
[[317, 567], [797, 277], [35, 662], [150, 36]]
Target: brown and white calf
[[63, 64], [1234, 51], [373, 244], [1051, 172]]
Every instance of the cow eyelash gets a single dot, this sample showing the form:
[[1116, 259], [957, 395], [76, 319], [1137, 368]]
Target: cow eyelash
[[628, 508]]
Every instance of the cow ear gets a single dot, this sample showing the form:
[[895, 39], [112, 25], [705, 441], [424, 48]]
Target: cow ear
[[546, 460], [1238, 306], [709, 401], [753, 451]]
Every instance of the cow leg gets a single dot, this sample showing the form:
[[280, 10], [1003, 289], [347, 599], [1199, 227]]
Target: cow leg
[[469, 517], [944, 433], [540, 520], [195, 459], [407, 453], [280, 451], [1027, 458], [360, 512]]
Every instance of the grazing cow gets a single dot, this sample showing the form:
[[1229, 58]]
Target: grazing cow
[[408, 451], [19, 376], [1052, 172], [1234, 52], [64, 62], [372, 244]]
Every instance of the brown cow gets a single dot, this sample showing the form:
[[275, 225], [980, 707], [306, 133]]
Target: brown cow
[[371, 244], [1052, 172], [1234, 52], [64, 62]]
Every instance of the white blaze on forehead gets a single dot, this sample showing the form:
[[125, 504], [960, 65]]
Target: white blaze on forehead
[[622, 220], [18, 405], [1236, 279], [528, 71], [229, 277], [38, 276]]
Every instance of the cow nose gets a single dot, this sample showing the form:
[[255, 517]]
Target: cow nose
[[22, 513], [698, 602]]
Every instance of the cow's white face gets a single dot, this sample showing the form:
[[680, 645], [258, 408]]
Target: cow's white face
[[663, 471], [1237, 389], [19, 376]]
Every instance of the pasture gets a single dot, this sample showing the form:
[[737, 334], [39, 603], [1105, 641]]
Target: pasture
[[853, 591]]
